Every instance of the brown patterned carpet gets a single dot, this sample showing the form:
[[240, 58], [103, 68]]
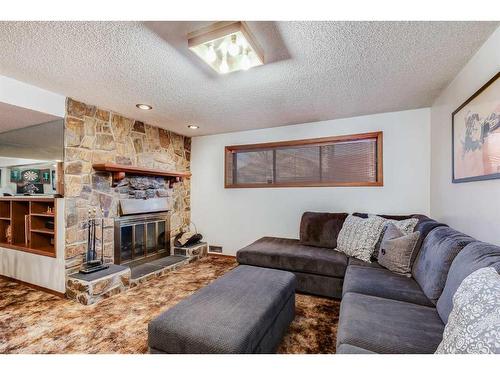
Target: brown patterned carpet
[[32, 321]]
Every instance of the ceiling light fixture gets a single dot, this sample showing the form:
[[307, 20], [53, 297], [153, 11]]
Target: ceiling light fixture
[[194, 127], [145, 107], [226, 47]]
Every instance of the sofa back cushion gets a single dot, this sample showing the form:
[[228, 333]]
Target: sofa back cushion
[[438, 250], [390, 217], [424, 226], [474, 256], [321, 229]]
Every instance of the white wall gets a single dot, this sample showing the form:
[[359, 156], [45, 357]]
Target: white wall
[[472, 207], [233, 218], [27, 96]]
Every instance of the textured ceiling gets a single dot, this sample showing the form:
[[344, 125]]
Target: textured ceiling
[[316, 70], [13, 117], [41, 142]]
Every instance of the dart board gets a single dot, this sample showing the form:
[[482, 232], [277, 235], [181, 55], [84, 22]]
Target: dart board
[[31, 175]]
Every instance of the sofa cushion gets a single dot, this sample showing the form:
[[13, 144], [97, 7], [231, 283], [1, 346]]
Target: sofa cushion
[[424, 226], [291, 255], [358, 236], [397, 250], [321, 229], [361, 263], [474, 323], [319, 285], [474, 256], [380, 282], [438, 250], [387, 326]]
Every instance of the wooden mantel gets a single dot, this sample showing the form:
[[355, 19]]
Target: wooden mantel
[[119, 171]]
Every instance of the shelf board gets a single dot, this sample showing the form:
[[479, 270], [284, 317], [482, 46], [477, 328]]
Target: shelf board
[[43, 215], [44, 231], [47, 251], [119, 171], [5, 218], [27, 198]]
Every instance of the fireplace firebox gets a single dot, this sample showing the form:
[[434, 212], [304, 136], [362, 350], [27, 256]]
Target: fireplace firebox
[[142, 231]]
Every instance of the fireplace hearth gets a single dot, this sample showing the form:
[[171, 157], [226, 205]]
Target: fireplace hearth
[[142, 231]]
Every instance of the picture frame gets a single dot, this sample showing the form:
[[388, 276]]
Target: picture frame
[[45, 176], [15, 175], [31, 175], [476, 135], [54, 180]]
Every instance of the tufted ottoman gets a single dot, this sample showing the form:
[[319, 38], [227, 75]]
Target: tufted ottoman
[[248, 310]]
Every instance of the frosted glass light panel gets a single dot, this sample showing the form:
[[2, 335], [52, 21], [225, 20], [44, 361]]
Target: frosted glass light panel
[[226, 47]]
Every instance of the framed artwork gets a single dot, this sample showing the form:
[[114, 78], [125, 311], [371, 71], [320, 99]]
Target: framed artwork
[[45, 176], [476, 135], [15, 175], [31, 175], [54, 181], [29, 188]]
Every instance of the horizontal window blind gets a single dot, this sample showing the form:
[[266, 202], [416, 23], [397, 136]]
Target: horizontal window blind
[[349, 161], [334, 161]]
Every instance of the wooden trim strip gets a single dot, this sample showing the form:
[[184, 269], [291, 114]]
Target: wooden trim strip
[[307, 142], [37, 287], [221, 255]]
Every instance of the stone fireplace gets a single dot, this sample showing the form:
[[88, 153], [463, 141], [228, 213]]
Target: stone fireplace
[[93, 135]]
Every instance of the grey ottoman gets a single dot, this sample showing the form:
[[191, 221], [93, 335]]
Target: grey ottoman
[[248, 310]]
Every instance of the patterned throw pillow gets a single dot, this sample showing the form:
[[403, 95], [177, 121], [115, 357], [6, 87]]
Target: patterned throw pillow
[[474, 323], [358, 236], [396, 250], [406, 226]]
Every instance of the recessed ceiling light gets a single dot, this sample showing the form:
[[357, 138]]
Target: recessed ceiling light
[[226, 47], [194, 127], [145, 107]]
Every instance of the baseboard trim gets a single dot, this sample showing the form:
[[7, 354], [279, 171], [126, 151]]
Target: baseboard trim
[[221, 255], [37, 287]]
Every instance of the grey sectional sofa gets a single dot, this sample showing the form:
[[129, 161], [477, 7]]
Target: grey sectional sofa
[[382, 312]]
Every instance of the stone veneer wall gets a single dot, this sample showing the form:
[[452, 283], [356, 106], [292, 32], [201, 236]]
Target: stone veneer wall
[[94, 135]]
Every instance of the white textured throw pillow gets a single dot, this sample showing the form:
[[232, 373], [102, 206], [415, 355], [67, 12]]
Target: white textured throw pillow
[[474, 323], [358, 236]]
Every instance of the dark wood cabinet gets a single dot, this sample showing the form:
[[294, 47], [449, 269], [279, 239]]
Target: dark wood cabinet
[[32, 223]]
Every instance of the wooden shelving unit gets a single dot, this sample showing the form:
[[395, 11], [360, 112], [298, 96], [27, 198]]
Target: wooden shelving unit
[[29, 220]]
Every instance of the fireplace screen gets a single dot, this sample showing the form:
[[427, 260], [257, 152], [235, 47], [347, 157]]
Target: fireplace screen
[[141, 237]]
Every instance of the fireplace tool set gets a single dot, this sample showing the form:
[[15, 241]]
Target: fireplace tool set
[[92, 262]]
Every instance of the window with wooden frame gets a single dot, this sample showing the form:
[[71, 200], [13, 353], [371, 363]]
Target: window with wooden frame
[[348, 160]]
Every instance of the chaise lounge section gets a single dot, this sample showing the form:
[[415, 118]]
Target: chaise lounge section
[[318, 270]]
